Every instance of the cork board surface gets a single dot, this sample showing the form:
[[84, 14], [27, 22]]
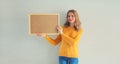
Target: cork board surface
[[45, 23]]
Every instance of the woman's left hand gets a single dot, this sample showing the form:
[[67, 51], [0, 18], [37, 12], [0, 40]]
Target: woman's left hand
[[59, 28]]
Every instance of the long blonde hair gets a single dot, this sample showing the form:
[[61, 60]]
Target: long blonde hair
[[77, 23]]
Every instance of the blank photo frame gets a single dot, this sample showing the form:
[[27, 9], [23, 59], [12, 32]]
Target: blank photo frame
[[43, 23]]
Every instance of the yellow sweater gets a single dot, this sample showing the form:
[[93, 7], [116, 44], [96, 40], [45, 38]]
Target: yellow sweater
[[69, 42]]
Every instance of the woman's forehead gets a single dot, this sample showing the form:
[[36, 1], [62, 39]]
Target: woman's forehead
[[70, 13]]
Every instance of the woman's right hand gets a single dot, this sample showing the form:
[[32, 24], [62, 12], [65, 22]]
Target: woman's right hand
[[41, 34], [59, 28]]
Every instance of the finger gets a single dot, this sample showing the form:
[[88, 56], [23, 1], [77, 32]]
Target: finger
[[58, 28], [37, 34]]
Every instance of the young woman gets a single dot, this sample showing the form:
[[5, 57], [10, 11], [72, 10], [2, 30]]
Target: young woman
[[68, 38]]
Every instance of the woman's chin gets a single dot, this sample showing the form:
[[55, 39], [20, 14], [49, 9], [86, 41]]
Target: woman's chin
[[71, 21]]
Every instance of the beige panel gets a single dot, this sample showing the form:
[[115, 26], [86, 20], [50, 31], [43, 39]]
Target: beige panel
[[45, 23]]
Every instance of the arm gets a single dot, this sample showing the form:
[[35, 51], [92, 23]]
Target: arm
[[54, 41], [70, 40]]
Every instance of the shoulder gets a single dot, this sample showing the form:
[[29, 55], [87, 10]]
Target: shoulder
[[63, 27], [80, 30]]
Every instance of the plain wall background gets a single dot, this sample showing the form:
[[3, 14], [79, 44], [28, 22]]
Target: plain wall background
[[99, 43]]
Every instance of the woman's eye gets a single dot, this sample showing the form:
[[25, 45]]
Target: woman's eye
[[68, 16], [72, 16]]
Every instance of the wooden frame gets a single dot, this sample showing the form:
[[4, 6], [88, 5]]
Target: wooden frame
[[45, 23]]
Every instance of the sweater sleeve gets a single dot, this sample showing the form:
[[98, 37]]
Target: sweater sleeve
[[70, 40], [53, 41]]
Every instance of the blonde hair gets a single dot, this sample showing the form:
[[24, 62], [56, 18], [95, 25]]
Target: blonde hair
[[77, 23]]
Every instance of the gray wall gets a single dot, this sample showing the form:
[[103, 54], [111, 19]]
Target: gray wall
[[99, 43]]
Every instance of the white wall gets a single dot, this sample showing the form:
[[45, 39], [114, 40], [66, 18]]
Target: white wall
[[99, 43]]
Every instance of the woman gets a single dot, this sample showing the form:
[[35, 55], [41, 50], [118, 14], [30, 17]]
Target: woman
[[69, 37]]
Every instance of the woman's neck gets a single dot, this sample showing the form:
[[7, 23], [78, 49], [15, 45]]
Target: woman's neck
[[71, 24]]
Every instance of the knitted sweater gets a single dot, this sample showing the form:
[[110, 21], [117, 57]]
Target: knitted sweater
[[68, 42]]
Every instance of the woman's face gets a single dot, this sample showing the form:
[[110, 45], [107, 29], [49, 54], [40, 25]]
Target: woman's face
[[71, 17]]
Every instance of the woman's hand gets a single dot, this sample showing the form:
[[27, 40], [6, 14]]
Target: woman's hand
[[41, 34], [59, 28]]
